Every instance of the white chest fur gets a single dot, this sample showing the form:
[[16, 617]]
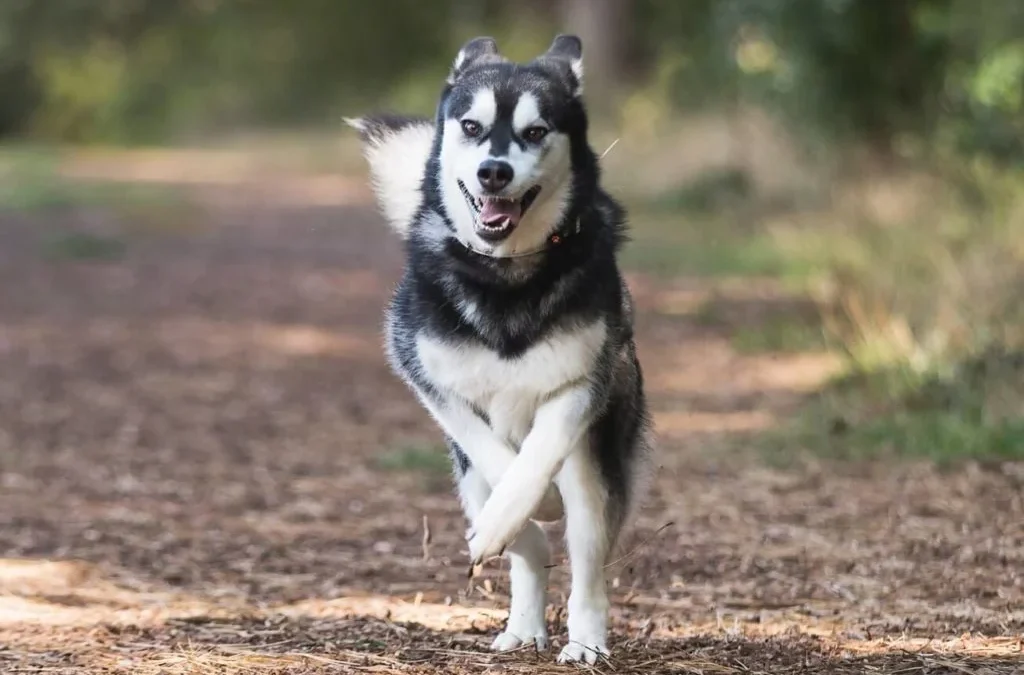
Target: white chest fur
[[510, 390]]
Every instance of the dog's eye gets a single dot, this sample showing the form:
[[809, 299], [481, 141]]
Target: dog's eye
[[534, 134], [471, 128]]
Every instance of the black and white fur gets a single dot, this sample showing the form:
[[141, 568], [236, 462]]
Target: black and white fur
[[518, 337]]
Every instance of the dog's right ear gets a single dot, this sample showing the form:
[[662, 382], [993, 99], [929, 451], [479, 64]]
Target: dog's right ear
[[472, 52], [397, 149]]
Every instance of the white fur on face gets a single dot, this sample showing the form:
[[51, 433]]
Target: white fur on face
[[546, 164], [484, 108], [527, 112], [460, 160]]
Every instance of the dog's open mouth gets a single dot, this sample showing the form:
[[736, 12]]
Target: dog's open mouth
[[497, 217]]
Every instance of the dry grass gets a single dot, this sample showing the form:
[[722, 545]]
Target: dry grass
[[904, 278], [270, 646]]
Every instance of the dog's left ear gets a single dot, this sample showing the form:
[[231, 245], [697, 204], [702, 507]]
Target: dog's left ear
[[473, 51], [569, 49]]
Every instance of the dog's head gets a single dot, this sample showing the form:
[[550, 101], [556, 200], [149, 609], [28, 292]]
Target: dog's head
[[499, 157], [506, 133]]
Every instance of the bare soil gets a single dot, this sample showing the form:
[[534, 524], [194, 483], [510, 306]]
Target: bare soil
[[189, 480]]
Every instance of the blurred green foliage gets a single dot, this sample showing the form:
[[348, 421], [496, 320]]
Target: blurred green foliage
[[898, 74], [971, 410], [128, 70]]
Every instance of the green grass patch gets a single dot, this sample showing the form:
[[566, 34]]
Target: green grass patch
[[30, 182], [41, 193], [974, 410], [28, 179], [83, 246], [780, 336], [429, 459], [698, 255], [707, 227], [667, 245], [784, 325], [711, 192]]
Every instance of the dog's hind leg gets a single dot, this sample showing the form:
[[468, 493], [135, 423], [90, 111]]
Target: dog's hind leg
[[590, 533], [529, 555]]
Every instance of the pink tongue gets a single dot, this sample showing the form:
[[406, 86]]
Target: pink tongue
[[495, 211]]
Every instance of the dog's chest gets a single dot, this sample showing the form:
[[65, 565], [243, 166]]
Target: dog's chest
[[510, 390]]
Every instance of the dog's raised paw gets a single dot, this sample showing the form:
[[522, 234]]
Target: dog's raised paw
[[579, 652], [479, 552], [507, 641], [487, 540]]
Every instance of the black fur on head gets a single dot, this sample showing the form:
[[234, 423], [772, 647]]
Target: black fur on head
[[564, 57], [566, 54], [476, 51]]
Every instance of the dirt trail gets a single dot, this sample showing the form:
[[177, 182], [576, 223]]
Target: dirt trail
[[190, 482]]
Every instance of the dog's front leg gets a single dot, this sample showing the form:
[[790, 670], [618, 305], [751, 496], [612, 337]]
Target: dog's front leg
[[589, 535], [558, 429], [488, 453], [491, 455]]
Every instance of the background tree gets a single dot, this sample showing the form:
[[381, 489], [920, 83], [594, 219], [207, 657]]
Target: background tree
[[858, 72]]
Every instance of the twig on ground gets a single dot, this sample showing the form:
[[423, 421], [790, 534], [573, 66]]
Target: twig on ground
[[426, 537]]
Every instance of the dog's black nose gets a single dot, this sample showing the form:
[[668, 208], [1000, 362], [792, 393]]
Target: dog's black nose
[[494, 174]]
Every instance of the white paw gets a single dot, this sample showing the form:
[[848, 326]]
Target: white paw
[[487, 542], [508, 641], [500, 521], [589, 652]]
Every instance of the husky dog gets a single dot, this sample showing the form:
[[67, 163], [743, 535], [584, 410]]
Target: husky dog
[[513, 325]]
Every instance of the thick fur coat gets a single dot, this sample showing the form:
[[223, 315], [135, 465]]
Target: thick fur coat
[[512, 323]]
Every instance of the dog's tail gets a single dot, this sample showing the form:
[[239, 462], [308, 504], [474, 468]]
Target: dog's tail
[[397, 149]]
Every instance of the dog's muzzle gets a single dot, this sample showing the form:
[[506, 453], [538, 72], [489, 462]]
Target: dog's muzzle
[[497, 217]]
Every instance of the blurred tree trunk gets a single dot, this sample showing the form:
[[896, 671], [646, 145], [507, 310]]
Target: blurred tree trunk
[[603, 25]]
